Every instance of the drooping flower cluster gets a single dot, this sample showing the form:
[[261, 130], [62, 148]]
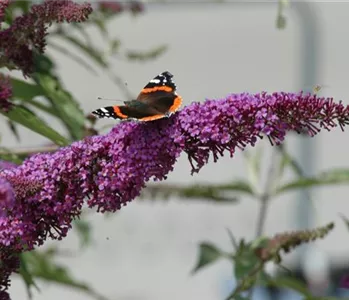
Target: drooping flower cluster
[[5, 93], [27, 33], [8, 256], [288, 241], [117, 6], [110, 170]]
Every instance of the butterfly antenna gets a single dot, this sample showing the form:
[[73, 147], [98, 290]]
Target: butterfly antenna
[[107, 99]]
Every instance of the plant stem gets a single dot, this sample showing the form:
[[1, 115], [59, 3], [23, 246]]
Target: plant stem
[[264, 200], [265, 196]]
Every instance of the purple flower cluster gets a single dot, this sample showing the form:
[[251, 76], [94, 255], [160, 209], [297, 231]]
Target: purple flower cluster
[[108, 171], [239, 119], [7, 197], [27, 33], [8, 256], [6, 165], [5, 93], [10, 263], [117, 7], [3, 5]]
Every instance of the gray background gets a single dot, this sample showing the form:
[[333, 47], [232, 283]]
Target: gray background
[[149, 248]]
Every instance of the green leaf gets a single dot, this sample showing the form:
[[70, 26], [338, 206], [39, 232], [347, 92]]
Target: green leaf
[[43, 64], [281, 22], [345, 220], [93, 53], [291, 283], [207, 255], [238, 185], [332, 177], [14, 130], [24, 6], [5, 154], [25, 90], [221, 193], [100, 24], [27, 276], [281, 19], [146, 55], [84, 231], [66, 107], [41, 265], [245, 262], [253, 162], [82, 30], [27, 118], [233, 239], [73, 56]]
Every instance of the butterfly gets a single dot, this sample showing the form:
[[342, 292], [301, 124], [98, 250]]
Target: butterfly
[[157, 100]]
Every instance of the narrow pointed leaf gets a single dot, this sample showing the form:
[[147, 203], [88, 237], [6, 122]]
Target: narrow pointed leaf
[[27, 276], [73, 56], [41, 265], [25, 90], [92, 53], [345, 220], [291, 283], [233, 240], [332, 177], [67, 108], [207, 255], [221, 193], [84, 231], [27, 118], [146, 55]]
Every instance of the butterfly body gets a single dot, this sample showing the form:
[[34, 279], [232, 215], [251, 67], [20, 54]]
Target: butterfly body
[[157, 100]]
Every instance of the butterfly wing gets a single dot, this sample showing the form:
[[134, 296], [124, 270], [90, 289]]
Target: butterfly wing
[[143, 113], [156, 100], [160, 93]]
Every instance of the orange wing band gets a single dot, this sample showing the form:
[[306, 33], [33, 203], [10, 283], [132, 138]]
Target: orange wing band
[[157, 88], [118, 112], [152, 118], [176, 104]]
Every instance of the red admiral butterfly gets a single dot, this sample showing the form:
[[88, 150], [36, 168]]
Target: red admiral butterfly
[[157, 100]]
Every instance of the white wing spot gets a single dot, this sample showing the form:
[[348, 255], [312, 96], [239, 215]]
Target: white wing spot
[[155, 80]]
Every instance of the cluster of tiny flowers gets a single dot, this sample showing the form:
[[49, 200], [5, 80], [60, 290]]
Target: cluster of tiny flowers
[[6, 165], [10, 263], [3, 6], [8, 256], [118, 7], [7, 196], [27, 33], [110, 170], [290, 240], [239, 119], [5, 93]]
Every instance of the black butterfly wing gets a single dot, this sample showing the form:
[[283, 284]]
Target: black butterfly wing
[[160, 93], [141, 112]]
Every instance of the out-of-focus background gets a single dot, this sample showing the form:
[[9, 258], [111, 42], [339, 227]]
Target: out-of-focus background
[[147, 250]]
